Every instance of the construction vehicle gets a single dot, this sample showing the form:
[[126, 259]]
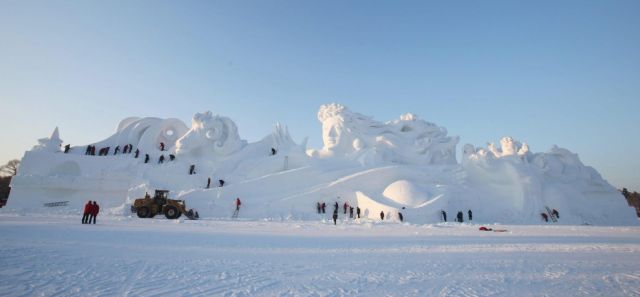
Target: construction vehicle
[[149, 207]]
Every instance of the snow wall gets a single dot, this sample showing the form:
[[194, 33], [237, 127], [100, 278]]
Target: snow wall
[[407, 165]]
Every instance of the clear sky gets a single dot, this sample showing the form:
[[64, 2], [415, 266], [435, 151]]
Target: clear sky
[[543, 72]]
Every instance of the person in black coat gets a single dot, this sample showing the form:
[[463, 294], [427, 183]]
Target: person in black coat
[[400, 216], [335, 216], [358, 211], [460, 217], [137, 153], [146, 158], [161, 159], [319, 207], [470, 215], [382, 215], [221, 182], [444, 215]]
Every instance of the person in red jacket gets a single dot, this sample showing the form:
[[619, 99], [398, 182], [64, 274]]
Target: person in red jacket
[[87, 212], [95, 209], [238, 203]]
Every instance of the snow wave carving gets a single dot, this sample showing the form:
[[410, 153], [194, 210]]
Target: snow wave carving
[[408, 140], [210, 136]]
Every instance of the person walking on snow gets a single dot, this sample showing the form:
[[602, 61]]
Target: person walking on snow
[[87, 212]]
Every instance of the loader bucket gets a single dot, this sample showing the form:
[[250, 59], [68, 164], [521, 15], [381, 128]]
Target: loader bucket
[[192, 215]]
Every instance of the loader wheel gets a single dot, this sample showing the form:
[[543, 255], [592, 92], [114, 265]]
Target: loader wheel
[[143, 212], [171, 212]]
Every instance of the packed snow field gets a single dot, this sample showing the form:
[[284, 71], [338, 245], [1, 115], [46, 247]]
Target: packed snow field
[[55, 255]]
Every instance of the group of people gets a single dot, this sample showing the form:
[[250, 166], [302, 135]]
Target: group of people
[[91, 210], [321, 208], [459, 216], [555, 215]]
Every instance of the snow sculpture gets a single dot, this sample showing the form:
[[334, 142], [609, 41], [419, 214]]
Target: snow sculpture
[[509, 147], [211, 136], [409, 140], [51, 144]]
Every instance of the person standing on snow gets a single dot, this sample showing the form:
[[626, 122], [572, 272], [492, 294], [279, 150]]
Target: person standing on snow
[[470, 215], [162, 146], [146, 158], [400, 216], [95, 209], [358, 211], [351, 212], [319, 207], [460, 217], [382, 215], [335, 216], [345, 206], [545, 217], [87, 212], [324, 207], [136, 153], [444, 216]]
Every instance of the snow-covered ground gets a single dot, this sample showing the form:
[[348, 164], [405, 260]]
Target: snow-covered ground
[[51, 255]]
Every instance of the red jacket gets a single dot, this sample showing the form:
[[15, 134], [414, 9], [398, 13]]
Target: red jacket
[[95, 209], [87, 208]]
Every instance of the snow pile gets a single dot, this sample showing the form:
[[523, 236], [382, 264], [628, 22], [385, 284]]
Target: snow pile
[[406, 165]]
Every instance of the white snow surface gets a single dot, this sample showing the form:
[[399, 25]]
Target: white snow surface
[[405, 165], [55, 255]]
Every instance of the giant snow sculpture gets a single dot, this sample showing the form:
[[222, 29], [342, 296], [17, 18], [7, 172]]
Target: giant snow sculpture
[[406, 165]]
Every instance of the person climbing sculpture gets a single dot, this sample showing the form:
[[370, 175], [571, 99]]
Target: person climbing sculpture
[[237, 211]]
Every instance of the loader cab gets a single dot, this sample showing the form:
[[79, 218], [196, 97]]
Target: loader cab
[[160, 197]]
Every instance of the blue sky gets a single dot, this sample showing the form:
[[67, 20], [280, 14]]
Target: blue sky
[[543, 72]]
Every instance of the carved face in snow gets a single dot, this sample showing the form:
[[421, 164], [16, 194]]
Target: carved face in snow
[[332, 132]]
